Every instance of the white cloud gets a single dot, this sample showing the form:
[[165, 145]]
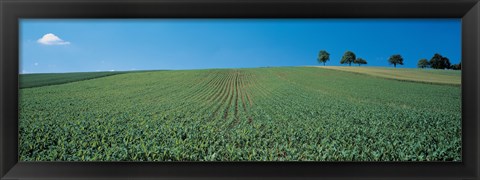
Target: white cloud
[[51, 39], [36, 64]]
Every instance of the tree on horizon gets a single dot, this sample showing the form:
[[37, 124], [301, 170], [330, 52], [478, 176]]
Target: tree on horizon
[[423, 63], [439, 62], [323, 56], [348, 58], [395, 59], [457, 66], [360, 61]]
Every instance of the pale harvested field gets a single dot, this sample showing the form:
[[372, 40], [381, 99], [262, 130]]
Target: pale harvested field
[[433, 76]]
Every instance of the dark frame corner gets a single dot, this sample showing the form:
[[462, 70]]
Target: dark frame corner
[[12, 10]]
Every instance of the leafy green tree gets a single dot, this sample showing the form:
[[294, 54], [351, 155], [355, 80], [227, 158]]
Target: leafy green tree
[[396, 59], [323, 57], [457, 66], [348, 58], [360, 61], [439, 62], [423, 63]]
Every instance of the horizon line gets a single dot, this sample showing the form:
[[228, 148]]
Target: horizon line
[[140, 70]]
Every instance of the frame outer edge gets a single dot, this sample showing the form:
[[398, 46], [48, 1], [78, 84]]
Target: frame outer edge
[[471, 68], [7, 158], [477, 6], [476, 60], [2, 126], [3, 136]]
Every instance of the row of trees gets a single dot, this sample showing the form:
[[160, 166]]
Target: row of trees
[[436, 62], [348, 58]]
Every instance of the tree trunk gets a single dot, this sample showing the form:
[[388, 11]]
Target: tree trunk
[[323, 63], [394, 65], [349, 64]]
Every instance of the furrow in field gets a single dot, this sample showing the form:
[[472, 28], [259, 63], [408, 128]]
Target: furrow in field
[[190, 94], [236, 92], [228, 102], [206, 92], [218, 88], [224, 91], [222, 98], [198, 87], [215, 93], [197, 98], [244, 95], [206, 89], [202, 90], [247, 94], [203, 109], [250, 83], [199, 108], [231, 91], [168, 88], [169, 106]]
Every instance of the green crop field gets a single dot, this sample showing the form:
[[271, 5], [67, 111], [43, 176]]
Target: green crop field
[[258, 114], [37, 80]]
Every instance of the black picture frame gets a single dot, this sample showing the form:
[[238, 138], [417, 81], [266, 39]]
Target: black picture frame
[[12, 10]]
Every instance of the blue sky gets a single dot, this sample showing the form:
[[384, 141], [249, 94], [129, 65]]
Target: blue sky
[[121, 45]]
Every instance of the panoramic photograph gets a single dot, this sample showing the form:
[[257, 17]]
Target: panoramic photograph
[[227, 90]]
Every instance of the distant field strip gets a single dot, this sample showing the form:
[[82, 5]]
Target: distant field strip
[[37, 80], [260, 114], [417, 75]]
